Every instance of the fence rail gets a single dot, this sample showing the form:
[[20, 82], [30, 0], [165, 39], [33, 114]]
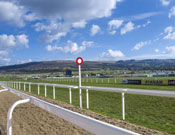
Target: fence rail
[[90, 124], [118, 90]]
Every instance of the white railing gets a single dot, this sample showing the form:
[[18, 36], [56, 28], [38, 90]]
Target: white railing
[[10, 112], [90, 124], [118, 90]]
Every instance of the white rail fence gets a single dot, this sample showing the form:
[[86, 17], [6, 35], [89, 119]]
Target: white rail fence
[[87, 88], [90, 124]]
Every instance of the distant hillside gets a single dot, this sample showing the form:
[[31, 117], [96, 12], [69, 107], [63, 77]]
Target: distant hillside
[[62, 65]]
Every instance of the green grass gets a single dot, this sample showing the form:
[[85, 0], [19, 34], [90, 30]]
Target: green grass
[[149, 111], [111, 83]]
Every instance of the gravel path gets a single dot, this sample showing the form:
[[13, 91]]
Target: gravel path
[[37, 121]]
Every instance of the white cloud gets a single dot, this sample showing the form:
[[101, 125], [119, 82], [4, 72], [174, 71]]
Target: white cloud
[[3, 53], [140, 16], [165, 2], [172, 12], [11, 13], [80, 24], [31, 17], [116, 54], [168, 53], [156, 50], [146, 24], [22, 40], [95, 29], [10, 42], [53, 31], [170, 31], [74, 13], [71, 47], [114, 25], [4, 61], [127, 28], [139, 45], [74, 10], [170, 50]]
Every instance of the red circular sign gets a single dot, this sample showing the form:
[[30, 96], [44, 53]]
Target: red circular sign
[[79, 61]]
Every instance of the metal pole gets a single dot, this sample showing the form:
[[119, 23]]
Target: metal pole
[[80, 94], [45, 91], [87, 99], [53, 92], [9, 115], [123, 106], [38, 89], [70, 96]]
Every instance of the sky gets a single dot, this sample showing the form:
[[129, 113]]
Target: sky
[[96, 30]]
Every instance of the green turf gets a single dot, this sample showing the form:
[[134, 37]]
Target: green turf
[[149, 111], [104, 83]]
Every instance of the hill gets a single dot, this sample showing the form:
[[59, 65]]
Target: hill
[[62, 65]]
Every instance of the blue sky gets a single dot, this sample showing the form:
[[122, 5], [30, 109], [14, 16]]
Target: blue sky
[[35, 30]]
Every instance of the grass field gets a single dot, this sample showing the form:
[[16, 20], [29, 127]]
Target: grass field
[[149, 111], [113, 82]]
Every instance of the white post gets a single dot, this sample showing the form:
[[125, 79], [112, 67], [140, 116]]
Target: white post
[[80, 94], [45, 91], [9, 115], [70, 96], [53, 92], [38, 89], [29, 87], [87, 99], [16, 85], [24, 87], [123, 105], [19, 85]]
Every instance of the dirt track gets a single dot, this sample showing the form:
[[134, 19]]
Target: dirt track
[[29, 119]]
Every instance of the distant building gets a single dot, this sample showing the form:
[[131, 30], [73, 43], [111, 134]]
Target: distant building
[[68, 73]]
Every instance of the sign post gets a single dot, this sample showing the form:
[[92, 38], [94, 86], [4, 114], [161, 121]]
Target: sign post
[[79, 62]]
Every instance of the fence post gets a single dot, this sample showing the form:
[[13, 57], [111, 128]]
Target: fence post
[[45, 91], [19, 85], [70, 96], [24, 87], [123, 105], [29, 87], [87, 99], [53, 92], [38, 89]]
